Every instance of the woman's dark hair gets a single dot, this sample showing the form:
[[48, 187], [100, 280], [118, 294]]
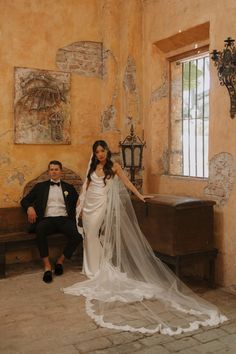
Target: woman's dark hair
[[107, 169]]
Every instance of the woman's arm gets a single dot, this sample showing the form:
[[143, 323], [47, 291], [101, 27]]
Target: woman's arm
[[82, 193], [120, 173]]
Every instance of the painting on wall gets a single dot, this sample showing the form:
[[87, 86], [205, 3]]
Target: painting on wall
[[41, 107]]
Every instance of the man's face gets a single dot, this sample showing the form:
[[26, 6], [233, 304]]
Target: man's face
[[54, 172]]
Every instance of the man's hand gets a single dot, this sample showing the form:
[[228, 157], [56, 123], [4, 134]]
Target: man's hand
[[32, 216]]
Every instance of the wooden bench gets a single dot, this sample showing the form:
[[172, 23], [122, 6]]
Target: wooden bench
[[14, 225]]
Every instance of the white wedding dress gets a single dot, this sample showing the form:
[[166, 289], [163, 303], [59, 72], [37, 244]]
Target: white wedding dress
[[129, 288], [94, 209]]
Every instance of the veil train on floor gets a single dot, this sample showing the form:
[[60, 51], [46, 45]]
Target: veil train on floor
[[133, 290]]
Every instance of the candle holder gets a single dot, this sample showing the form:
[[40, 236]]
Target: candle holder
[[225, 62]]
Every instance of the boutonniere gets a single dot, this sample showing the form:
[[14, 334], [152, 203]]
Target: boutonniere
[[66, 193]]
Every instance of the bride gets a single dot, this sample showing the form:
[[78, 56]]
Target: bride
[[128, 288]]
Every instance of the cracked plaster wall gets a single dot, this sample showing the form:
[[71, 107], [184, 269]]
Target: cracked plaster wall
[[92, 40], [173, 18], [99, 104], [132, 97], [38, 31], [91, 59], [221, 178], [84, 58]]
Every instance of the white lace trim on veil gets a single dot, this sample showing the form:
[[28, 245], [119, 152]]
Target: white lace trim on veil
[[133, 290]]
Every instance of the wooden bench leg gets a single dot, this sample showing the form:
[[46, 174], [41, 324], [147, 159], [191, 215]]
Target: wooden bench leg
[[2, 260]]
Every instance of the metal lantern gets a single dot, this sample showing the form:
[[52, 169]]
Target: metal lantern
[[225, 62], [132, 153]]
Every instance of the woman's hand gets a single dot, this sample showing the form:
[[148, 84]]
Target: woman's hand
[[78, 212], [149, 196], [144, 197], [141, 197]]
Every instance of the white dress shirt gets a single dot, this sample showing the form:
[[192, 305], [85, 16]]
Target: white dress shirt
[[56, 203]]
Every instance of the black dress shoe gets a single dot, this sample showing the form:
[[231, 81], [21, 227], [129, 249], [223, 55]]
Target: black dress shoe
[[58, 269], [47, 277]]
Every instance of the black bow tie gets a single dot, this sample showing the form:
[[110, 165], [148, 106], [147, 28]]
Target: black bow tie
[[55, 183]]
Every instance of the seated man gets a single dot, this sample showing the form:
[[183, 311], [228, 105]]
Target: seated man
[[51, 207]]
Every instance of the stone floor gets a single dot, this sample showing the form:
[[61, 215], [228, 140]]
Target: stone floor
[[37, 318]]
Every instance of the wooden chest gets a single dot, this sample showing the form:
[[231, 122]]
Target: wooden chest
[[176, 225]]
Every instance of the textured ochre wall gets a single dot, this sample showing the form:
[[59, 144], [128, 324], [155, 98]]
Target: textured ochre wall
[[32, 32], [134, 84], [163, 19]]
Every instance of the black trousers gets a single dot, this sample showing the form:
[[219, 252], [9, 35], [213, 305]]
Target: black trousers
[[57, 224]]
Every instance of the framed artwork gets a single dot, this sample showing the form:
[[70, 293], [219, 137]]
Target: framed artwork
[[41, 107]]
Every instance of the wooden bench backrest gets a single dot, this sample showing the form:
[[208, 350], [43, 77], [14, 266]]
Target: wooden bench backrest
[[68, 176], [14, 219]]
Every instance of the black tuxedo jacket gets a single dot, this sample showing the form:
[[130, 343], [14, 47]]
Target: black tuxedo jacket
[[38, 198]]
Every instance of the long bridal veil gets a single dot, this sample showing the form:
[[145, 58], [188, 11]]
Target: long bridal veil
[[133, 290]]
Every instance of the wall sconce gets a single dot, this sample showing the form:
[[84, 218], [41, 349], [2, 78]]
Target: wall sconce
[[132, 153], [225, 62]]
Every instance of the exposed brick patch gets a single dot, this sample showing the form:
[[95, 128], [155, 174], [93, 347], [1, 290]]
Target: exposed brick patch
[[163, 162], [68, 176], [84, 58], [108, 119], [110, 93], [221, 177], [161, 91], [132, 109], [19, 176], [130, 75], [91, 59]]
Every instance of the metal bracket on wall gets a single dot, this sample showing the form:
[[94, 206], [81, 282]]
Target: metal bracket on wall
[[225, 62]]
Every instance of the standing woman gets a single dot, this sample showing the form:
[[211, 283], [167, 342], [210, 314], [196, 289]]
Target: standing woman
[[99, 178], [129, 288]]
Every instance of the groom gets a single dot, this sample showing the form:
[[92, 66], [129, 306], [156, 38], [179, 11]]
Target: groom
[[51, 208]]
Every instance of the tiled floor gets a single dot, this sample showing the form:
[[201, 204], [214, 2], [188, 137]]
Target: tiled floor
[[37, 318]]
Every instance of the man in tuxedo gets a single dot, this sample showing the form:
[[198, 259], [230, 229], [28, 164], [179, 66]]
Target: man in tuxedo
[[51, 208]]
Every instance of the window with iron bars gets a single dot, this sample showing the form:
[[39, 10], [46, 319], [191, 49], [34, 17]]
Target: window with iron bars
[[189, 117]]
